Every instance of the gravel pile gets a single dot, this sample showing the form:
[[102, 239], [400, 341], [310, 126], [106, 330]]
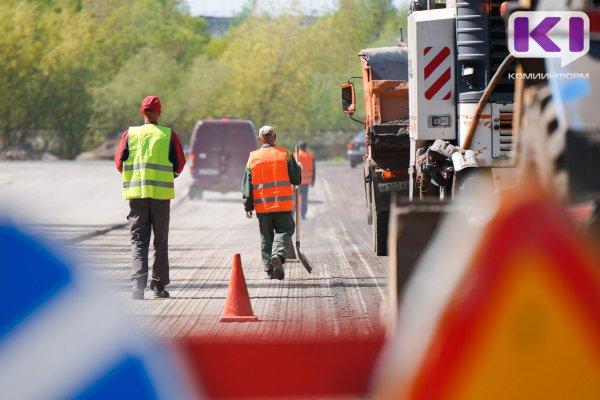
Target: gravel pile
[[23, 152], [106, 151]]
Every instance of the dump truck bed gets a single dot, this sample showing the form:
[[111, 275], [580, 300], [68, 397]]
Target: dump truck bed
[[385, 87]]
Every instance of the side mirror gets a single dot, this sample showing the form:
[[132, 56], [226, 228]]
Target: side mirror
[[348, 105]]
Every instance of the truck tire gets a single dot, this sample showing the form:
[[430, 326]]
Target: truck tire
[[353, 163], [380, 232]]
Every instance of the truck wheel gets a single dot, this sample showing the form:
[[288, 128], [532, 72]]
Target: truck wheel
[[353, 163], [380, 232]]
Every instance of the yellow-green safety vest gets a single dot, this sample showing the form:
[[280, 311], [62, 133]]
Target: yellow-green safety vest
[[148, 173]]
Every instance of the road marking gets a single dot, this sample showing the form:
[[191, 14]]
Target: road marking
[[363, 260], [360, 294], [328, 189]]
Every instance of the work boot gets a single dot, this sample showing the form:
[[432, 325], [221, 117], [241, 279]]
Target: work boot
[[137, 294], [278, 272], [270, 274], [160, 292]]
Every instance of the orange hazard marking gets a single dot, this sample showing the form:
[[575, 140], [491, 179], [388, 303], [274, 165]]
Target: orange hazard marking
[[466, 120], [412, 126], [533, 330], [525, 322]]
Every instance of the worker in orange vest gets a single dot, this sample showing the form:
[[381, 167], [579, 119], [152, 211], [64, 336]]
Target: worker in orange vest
[[307, 163], [267, 188]]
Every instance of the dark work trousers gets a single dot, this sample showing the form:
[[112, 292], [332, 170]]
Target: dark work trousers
[[148, 216], [276, 230]]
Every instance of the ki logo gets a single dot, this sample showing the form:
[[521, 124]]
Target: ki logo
[[549, 34]]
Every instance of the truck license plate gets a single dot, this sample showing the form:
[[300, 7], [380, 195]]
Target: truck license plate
[[392, 186], [208, 171]]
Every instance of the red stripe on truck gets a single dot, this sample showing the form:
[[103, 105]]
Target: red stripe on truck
[[437, 60], [437, 85]]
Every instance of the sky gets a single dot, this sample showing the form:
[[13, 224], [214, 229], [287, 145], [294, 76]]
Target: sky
[[226, 8]]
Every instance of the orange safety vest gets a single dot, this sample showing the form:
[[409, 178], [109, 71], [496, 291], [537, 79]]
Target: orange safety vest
[[307, 161], [271, 187]]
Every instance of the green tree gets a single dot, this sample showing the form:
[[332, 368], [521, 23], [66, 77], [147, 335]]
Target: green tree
[[199, 92], [74, 71], [259, 60], [116, 104], [286, 69], [45, 49], [143, 47]]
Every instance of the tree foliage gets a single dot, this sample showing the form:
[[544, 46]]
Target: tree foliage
[[74, 71]]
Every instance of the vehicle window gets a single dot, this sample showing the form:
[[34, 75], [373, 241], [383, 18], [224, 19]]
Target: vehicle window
[[215, 137], [208, 138], [239, 137]]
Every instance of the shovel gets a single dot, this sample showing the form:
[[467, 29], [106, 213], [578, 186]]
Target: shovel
[[301, 256]]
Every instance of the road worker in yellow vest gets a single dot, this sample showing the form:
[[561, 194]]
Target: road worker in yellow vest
[[307, 163], [267, 189], [149, 157]]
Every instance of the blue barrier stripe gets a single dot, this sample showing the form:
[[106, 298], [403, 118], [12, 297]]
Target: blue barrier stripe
[[128, 379], [31, 276]]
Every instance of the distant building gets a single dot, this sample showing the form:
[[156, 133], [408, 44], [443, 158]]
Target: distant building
[[217, 26]]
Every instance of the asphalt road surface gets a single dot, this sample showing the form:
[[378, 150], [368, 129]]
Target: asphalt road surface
[[78, 205]]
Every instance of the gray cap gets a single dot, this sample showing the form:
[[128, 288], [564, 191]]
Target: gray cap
[[266, 131]]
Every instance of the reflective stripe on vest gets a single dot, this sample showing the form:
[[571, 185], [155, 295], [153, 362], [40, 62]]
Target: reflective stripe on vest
[[307, 161], [148, 166], [274, 199], [271, 188], [148, 173]]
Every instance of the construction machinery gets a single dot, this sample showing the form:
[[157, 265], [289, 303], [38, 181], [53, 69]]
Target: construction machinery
[[477, 116], [385, 88], [461, 114], [450, 115], [461, 97]]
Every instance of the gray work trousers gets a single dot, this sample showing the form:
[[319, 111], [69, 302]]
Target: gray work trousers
[[147, 216], [303, 201], [276, 230]]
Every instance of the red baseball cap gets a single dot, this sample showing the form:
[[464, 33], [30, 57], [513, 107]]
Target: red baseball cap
[[150, 104]]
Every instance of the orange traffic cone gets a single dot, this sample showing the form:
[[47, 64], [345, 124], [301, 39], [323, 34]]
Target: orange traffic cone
[[237, 303]]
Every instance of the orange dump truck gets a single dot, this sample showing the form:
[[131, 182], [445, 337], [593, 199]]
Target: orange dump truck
[[385, 94]]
